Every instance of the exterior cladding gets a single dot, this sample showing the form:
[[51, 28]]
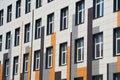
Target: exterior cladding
[[106, 66]]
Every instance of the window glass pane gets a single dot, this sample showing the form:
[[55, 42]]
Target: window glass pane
[[97, 50], [118, 46]]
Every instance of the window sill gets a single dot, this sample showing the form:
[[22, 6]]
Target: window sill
[[79, 62], [98, 58], [50, 34], [36, 69], [116, 11], [97, 17], [79, 24]]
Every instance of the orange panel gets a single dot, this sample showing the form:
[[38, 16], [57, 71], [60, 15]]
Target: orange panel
[[37, 75], [118, 18], [29, 63], [118, 63], [53, 43], [82, 72], [68, 63], [0, 72]]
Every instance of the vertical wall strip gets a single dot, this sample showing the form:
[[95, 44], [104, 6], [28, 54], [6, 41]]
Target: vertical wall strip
[[1, 71], [53, 43], [42, 54], [68, 63], [89, 42], [20, 62]]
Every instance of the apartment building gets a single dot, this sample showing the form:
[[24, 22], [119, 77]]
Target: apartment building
[[59, 39]]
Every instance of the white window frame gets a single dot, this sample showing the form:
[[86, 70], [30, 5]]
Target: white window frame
[[80, 11], [64, 52], [38, 3], [26, 63], [7, 68], [1, 42], [117, 76], [17, 37], [27, 33], [38, 28], [37, 59], [1, 17], [81, 48], [9, 13], [101, 3], [51, 22], [100, 43], [16, 66], [117, 38], [116, 7], [18, 9], [64, 16], [8, 40], [28, 6], [50, 54]]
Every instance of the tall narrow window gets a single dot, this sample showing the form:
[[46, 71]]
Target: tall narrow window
[[9, 13], [0, 42], [117, 41], [49, 57], [1, 17], [17, 36], [98, 8], [38, 3], [37, 60], [8, 40], [28, 6], [97, 77], [50, 23], [38, 25], [15, 65], [116, 5], [80, 12], [63, 53], [116, 76], [49, 1], [18, 8], [98, 45], [27, 33], [6, 67], [64, 18], [79, 50], [25, 66]]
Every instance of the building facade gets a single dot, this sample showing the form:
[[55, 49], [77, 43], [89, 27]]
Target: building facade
[[59, 39]]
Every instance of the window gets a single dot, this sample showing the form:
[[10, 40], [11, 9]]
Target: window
[[38, 3], [37, 60], [49, 1], [98, 8], [49, 52], [18, 8], [63, 53], [8, 40], [6, 67], [79, 50], [116, 76], [117, 41], [97, 77], [78, 78], [15, 65], [25, 66], [9, 13], [0, 42], [17, 36], [38, 25], [98, 46], [80, 12], [64, 18], [116, 4], [27, 33], [28, 6], [1, 17], [50, 23]]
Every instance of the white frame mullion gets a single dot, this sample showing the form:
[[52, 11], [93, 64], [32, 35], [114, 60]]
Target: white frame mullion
[[7, 68], [49, 55], [16, 66], [26, 64], [116, 46], [37, 66]]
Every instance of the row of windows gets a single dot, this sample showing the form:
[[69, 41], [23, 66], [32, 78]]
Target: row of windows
[[79, 52], [98, 9], [116, 76]]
